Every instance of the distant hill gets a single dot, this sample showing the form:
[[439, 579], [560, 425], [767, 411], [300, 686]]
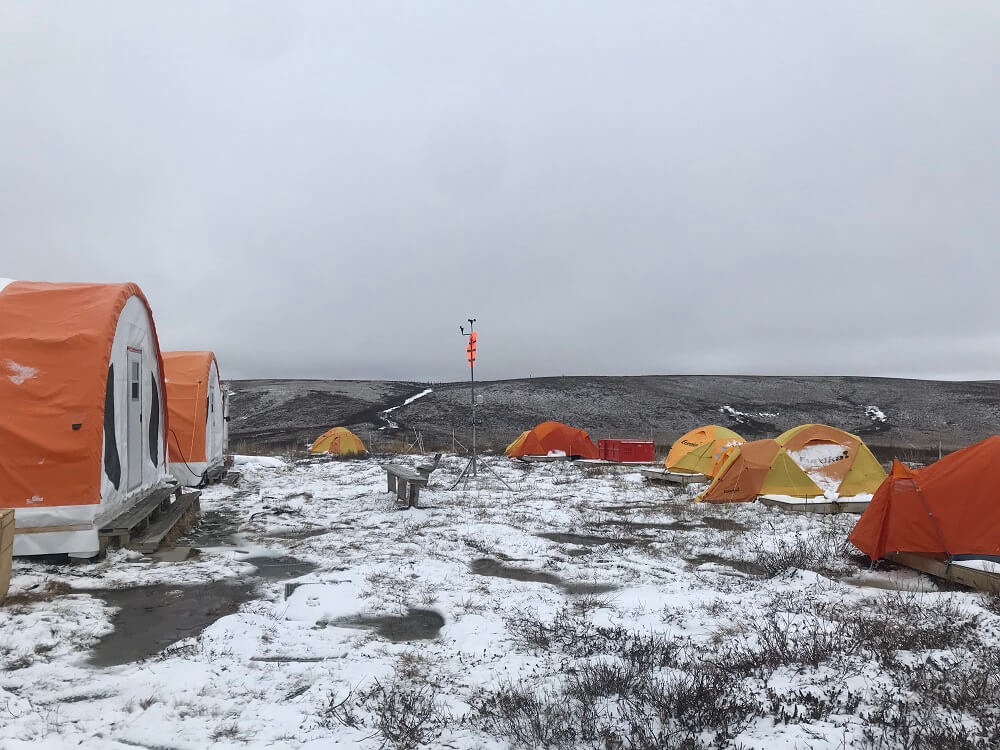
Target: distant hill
[[895, 416]]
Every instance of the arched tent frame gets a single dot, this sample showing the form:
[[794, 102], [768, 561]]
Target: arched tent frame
[[85, 410], [198, 411]]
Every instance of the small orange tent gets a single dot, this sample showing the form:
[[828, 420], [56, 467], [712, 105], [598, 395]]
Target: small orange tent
[[552, 437], [339, 441], [946, 510], [834, 459], [757, 468], [197, 408], [700, 450]]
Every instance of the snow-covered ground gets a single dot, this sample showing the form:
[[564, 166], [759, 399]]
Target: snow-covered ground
[[484, 619]]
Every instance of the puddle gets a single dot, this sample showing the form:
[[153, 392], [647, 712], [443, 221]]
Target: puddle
[[587, 540], [666, 526], [297, 534], [743, 566], [215, 528], [589, 588], [416, 625], [722, 524], [279, 568], [150, 618], [486, 567]]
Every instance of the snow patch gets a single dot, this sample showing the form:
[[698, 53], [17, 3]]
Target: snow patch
[[269, 462], [742, 417], [384, 415], [19, 374], [876, 415], [818, 454], [987, 566]]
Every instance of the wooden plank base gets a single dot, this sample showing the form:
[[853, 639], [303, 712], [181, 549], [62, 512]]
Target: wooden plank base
[[976, 579], [657, 475], [831, 507], [138, 521], [188, 505]]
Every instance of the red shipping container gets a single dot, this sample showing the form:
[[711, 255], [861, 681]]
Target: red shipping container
[[637, 451], [627, 451]]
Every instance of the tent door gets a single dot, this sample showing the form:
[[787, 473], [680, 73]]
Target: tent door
[[210, 425], [134, 440]]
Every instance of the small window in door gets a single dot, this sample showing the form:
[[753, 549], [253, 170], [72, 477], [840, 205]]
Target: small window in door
[[135, 381]]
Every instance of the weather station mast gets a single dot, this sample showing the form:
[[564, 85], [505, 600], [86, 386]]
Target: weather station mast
[[471, 470]]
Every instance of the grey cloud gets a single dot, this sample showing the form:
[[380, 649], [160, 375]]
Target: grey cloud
[[329, 189]]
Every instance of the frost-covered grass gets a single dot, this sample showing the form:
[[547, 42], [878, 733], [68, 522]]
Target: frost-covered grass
[[639, 620]]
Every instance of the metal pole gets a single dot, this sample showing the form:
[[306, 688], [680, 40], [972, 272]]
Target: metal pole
[[472, 375]]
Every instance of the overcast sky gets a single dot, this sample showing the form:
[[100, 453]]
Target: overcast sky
[[329, 189]]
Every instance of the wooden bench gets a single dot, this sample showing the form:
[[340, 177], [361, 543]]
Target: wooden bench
[[425, 470], [406, 483]]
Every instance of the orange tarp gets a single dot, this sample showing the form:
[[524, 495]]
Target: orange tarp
[[553, 436], [55, 348], [186, 377], [951, 507]]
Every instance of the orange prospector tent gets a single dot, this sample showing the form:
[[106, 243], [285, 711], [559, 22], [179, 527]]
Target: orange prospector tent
[[835, 459], [82, 417], [197, 406], [339, 441], [549, 437], [758, 468], [700, 450], [948, 510]]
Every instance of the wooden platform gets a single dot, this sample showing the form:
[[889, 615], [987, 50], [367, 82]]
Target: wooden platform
[[976, 579], [187, 505], [662, 475], [144, 525], [829, 507], [6, 550]]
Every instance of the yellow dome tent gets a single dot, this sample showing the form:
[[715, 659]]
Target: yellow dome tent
[[339, 441], [837, 460], [700, 450], [762, 467]]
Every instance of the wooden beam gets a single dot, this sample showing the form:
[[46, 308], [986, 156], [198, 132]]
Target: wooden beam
[[47, 529], [830, 507], [976, 579]]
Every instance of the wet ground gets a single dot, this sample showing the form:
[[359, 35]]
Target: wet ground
[[151, 618], [588, 540], [415, 625], [495, 569]]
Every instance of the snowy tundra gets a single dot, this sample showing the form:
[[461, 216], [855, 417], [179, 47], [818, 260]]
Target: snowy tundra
[[581, 609]]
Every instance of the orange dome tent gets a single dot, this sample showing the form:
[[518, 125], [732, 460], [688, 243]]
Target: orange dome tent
[[948, 510], [758, 468], [700, 450], [836, 460], [197, 407], [82, 421], [339, 441], [553, 437]]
